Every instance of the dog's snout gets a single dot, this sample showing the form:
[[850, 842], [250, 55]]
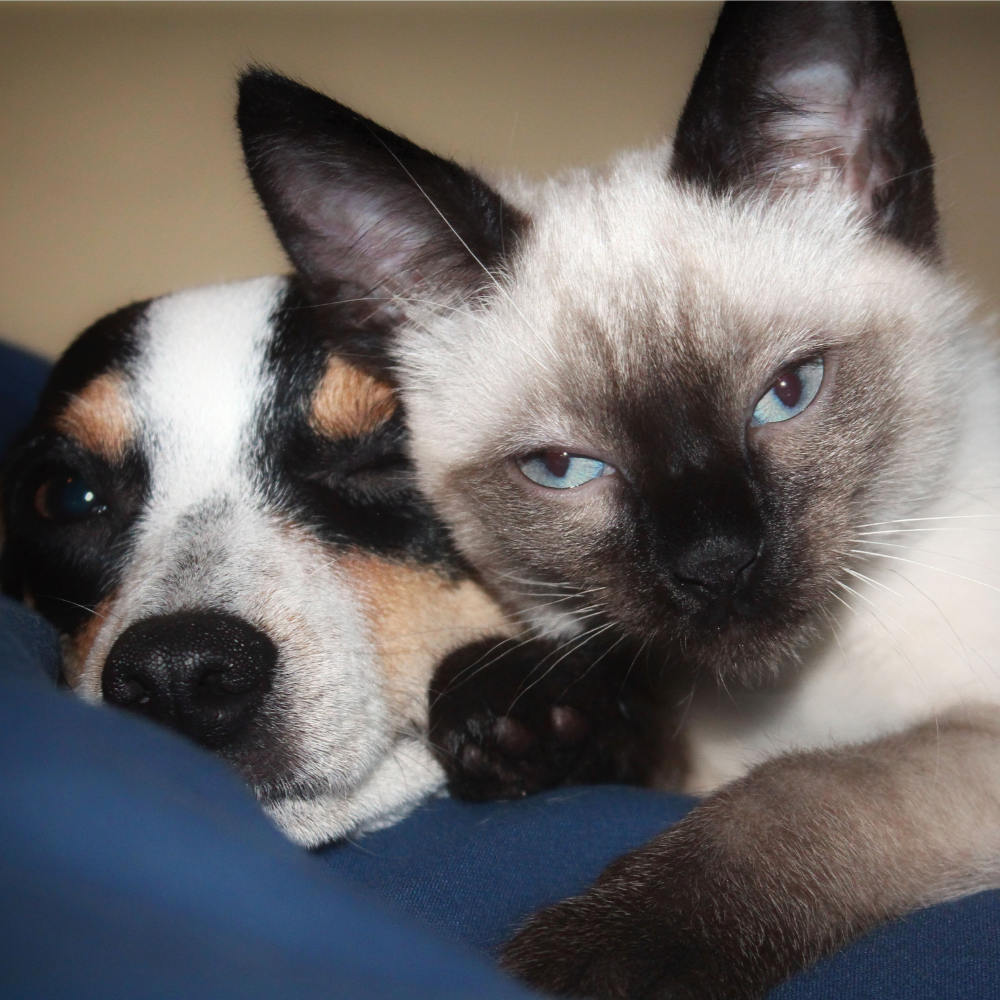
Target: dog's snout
[[201, 673]]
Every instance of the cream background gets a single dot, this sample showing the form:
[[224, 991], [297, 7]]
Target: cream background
[[120, 172]]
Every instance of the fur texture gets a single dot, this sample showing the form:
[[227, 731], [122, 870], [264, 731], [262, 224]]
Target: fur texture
[[207, 480], [822, 583]]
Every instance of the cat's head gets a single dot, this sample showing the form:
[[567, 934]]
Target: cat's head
[[669, 393]]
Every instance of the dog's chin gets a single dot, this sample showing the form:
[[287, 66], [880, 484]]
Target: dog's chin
[[407, 776]]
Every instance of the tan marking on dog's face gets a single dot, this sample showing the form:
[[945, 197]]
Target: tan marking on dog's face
[[417, 618], [100, 417], [76, 647], [348, 402]]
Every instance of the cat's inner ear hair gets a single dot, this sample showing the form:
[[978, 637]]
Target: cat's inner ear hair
[[362, 212], [793, 94]]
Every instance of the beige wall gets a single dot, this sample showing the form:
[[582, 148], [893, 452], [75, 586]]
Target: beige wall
[[120, 174]]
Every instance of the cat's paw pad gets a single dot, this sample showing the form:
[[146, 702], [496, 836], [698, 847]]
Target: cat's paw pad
[[513, 738], [568, 725], [501, 726], [489, 756], [509, 718]]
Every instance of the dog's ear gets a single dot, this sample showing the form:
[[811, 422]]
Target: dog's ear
[[812, 93], [360, 211]]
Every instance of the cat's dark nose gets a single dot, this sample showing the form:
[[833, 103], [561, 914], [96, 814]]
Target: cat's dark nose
[[713, 569], [201, 673]]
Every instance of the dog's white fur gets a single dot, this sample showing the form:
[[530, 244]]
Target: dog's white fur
[[209, 540]]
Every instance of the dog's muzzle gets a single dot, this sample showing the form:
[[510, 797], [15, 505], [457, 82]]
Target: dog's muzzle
[[204, 674]]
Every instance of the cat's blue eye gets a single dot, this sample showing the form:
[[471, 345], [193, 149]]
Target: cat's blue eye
[[791, 392], [67, 498], [559, 470]]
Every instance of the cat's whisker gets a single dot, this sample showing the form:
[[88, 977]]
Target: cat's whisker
[[487, 660], [908, 520], [579, 642], [910, 606], [943, 555], [528, 581], [857, 614], [595, 662], [876, 612], [910, 531], [944, 618], [82, 607], [685, 704]]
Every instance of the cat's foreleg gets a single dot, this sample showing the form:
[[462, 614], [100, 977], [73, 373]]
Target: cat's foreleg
[[781, 867]]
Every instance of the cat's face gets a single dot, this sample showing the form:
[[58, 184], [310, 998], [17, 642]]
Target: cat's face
[[682, 411], [667, 395]]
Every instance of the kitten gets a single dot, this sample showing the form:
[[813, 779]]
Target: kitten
[[725, 393]]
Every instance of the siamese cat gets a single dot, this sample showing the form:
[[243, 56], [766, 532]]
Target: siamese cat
[[722, 398]]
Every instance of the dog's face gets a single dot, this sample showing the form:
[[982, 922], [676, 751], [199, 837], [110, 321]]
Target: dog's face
[[215, 510]]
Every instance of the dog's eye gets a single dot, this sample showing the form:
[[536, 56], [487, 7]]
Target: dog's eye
[[791, 392], [67, 498], [560, 470]]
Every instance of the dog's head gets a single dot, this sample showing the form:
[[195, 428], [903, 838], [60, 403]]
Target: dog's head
[[215, 509]]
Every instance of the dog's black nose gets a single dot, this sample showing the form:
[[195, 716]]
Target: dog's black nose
[[714, 568], [203, 674]]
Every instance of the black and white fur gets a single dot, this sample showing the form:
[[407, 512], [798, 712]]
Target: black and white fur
[[215, 509], [824, 586]]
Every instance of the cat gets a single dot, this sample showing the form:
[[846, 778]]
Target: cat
[[724, 399]]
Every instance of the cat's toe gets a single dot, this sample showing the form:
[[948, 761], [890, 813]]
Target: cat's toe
[[474, 761], [569, 726], [513, 738]]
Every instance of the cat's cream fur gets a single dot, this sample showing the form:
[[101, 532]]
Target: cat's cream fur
[[844, 719], [765, 281]]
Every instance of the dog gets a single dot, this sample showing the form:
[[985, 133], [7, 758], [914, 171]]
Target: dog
[[214, 508]]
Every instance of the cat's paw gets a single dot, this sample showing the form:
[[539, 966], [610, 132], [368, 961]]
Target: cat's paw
[[512, 718], [659, 924], [611, 943], [590, 946]]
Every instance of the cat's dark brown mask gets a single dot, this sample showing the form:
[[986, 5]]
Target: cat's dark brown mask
[[667, 395]]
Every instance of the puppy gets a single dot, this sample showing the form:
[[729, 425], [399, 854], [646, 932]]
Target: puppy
[[214, 508]]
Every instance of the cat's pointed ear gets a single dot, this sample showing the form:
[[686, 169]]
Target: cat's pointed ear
[[810, 93], [360, 211]]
